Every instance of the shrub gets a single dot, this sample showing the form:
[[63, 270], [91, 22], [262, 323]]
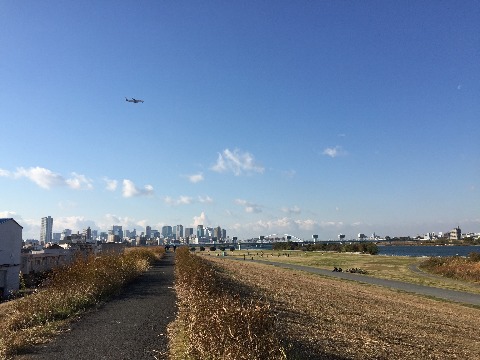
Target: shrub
[[213, 248]]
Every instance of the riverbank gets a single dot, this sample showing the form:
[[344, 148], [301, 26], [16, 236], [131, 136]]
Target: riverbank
[[324, 318], [399, 268]]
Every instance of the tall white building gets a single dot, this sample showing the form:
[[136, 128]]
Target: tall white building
[[46, 230]]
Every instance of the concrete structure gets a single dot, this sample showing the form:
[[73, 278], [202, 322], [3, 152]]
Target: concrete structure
[[46, 230], [10, 249], [455, 234]]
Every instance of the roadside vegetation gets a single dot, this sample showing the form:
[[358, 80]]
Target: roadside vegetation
[[65, 294], [455, 267], [218, 318], [322, 318]]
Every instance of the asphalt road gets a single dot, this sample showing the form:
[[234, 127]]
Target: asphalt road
[[444, 294], [133, 325]]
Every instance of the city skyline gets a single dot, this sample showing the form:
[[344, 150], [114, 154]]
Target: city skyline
[[266, 117], [169, 231]]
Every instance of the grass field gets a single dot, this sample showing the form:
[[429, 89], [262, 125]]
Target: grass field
[[322, 318], [386, 267]]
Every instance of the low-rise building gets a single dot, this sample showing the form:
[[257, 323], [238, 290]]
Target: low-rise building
[[10, 249]]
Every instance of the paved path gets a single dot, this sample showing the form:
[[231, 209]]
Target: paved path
[[130, 326], [445, 294]]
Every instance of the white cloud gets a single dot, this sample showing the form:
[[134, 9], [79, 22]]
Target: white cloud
[[248, 206], [126, 222], [294, 210], [75, 223], [182, 200], [205, 199], [237, 162], [195, 178], [47, 179], [7, 214], [44, 178], [5, 173], [130, 190], [307, 224], [334, 152], [201, 220], [79, 182], [111, 185]]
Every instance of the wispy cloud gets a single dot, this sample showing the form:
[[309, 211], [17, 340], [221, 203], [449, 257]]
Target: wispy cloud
[[334, 152], [237, 162], [181, 200], [131, 190], [289, 174], [78, 181], [5, 173], [110, 185], [293, 210], [248, 206], [187, 200], [195, 178], [205, 199], [47, 179]]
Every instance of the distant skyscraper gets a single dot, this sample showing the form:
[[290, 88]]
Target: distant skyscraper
[[46, 229], [166, 231], [117, 230], [217, 232], [200, 231], [188, 232], [179, 232], [148, 232]]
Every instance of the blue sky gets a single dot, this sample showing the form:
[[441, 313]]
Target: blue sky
[[262, 117]]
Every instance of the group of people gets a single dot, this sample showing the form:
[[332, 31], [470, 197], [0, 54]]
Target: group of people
[[352, 270]]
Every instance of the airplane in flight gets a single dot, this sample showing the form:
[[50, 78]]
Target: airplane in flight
[[134, 100]]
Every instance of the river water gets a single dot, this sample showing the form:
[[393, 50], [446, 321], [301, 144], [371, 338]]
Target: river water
[[427, 250]]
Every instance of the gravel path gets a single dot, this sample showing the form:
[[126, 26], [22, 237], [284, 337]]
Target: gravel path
[[130, 326], [445, 294]]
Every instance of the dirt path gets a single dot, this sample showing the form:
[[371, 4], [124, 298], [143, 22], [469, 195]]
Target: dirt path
[[130, 326], [445, 294]]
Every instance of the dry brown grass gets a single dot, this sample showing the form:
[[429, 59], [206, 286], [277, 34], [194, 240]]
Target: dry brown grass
[[331, 319], [455, 267], [218, 318], [69, 291]]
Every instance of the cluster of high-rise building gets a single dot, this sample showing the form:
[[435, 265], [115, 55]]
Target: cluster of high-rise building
[[169, 234]]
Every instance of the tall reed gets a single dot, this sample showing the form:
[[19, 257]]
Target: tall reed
[[456, 267]]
